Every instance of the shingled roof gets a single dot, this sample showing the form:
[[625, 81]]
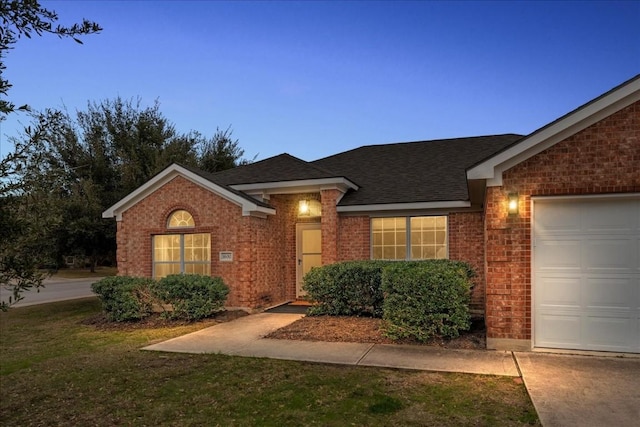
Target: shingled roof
[[281, 168], [410, 172], [413, 172]]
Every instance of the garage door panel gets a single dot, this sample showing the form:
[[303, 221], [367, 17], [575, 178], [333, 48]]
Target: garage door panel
[[607, 293], [554, 219], [609, 333], [609, 254], [562, 330], [599, 218], [586, 274], [558, 292], [561, 254]]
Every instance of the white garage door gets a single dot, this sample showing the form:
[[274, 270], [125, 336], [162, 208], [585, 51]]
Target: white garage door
[[586, 273]]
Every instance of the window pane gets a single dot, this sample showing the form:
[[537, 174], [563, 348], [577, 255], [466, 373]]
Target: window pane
[[165, 269], [180, 219], [377, 239], [389, 238], [389, 252], [401, 252], [166, 248], [196, 247], [202, 269], [428, 237], [416, 252], [377, 252], [429, 252]]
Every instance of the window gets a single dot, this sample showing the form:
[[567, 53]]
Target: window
[[181, 253], [420, 237], [180, 219]]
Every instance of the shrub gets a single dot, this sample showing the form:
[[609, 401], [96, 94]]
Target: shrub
[[346, 289], [193, 297], [424, 299], [124, 298]]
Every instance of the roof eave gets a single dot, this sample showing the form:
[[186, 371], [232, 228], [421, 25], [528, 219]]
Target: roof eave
[[450, 204], [297, 186]]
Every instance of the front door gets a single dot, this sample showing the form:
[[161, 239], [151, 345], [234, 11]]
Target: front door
[[309, 251]]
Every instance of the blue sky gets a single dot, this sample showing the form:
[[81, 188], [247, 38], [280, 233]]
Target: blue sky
[[316, 78]]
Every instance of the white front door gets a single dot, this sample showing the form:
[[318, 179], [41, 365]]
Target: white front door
[[309, 252], [586, 274]]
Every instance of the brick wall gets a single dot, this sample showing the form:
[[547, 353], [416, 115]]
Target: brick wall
[[601, 159], [354, 233], [258, 244], [329, 199], [466, 243]]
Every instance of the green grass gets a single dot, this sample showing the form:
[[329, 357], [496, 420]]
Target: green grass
[[56, 370]]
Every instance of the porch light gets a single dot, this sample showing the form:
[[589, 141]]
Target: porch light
[[513, 204], [303, 207]]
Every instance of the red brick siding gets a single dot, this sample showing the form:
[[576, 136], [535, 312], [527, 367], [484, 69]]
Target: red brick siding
[[466, 243], [601, 159], [257, 244], [354, 234], [329, 199]]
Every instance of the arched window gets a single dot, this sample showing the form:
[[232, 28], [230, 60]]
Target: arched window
[[186, 253], [180, 219]]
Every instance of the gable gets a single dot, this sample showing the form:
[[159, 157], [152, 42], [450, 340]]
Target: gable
[[250, 206], [492, 169]]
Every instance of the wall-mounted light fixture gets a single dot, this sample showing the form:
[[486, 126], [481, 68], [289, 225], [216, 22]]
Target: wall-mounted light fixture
[[303, 208], [513, 204]]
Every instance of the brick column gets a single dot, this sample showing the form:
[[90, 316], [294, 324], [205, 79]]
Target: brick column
[[329, 199]]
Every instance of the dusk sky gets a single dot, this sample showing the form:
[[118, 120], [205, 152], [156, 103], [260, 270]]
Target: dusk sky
[[316, 78]]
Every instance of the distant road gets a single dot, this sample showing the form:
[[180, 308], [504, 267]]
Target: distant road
[[54, 290]]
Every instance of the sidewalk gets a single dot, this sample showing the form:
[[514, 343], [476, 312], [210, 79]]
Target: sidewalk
[[244, 337]]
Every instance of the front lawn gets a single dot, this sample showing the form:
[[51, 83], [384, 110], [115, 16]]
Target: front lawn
[[58, 369]]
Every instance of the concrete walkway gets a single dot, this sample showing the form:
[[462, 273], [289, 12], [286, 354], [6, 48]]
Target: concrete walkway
[[244, 337]]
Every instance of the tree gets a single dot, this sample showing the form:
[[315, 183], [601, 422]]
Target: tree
[[18, 264], [97, 157], [220, 152]]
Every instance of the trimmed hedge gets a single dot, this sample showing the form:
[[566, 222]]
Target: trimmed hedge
[[417, 299], [350, 288], [125, 298], [426, 299], [192, 296]]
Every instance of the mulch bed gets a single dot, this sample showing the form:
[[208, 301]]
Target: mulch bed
[[367, 330]]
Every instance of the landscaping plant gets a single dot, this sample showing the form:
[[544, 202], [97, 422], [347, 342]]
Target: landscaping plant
[[426, 299], [125, 298], [192, 296]]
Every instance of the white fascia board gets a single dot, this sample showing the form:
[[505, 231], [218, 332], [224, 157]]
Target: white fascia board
[[299, 186], [405, 206], [170, 173], [492, 168]]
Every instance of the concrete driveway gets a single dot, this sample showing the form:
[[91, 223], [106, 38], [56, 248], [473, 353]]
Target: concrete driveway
[[571, 390]]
